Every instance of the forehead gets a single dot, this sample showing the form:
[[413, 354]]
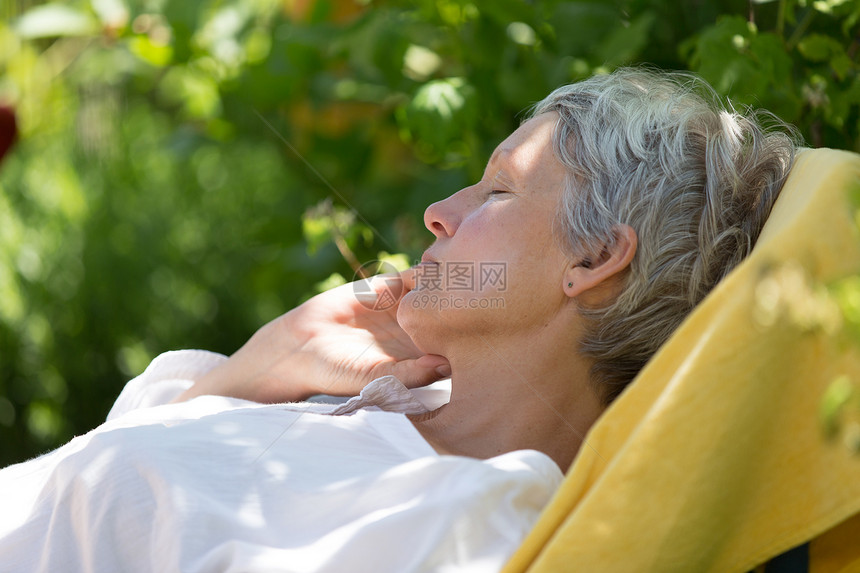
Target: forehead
[[529, 147]]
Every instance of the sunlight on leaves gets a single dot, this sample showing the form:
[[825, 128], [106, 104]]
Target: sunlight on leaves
[[50, 20]]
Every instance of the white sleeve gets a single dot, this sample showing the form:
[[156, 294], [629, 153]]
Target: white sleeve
[[170, 374]]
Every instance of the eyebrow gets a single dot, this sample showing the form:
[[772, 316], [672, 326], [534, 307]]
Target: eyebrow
[[504, 179], [501, 175]]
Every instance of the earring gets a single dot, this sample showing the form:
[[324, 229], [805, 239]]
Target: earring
[[569, 285]]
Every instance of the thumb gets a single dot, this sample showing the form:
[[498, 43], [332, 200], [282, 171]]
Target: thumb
[[422, 371], [408, 278]]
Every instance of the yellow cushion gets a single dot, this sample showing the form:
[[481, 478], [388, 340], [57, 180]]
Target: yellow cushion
[[714, 459]]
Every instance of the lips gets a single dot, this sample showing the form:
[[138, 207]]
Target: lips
[[427, 262]]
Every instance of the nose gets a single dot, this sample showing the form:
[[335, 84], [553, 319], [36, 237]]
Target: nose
[[443, 217]]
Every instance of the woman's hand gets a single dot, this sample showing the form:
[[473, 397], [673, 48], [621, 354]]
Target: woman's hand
[[335, 343]]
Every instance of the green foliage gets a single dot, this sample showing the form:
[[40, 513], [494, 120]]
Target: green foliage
[[840, 405], [839, 412], [189, 170], [437, 118]]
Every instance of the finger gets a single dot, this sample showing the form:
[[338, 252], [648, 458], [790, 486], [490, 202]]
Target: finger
[[435, 362], [421, 371], [408, 278]]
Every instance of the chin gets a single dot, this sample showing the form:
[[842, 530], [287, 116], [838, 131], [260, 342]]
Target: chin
[[418, 323], [433, 326]]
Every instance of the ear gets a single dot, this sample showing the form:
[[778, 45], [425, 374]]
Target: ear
[[590, 274]]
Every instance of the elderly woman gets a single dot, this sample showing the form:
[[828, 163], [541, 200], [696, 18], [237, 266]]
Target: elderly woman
[[611, 213]]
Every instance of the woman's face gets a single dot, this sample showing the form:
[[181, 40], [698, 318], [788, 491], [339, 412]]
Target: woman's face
[[496, 265]]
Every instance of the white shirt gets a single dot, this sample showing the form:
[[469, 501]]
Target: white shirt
[[220, 484]]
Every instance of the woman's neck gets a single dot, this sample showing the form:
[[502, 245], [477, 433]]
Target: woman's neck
[[530, 393]]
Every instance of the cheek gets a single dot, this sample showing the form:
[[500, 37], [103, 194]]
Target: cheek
[[492, 237], [536, 262]]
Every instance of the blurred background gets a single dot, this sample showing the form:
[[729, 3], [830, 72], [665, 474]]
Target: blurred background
[[175, 173]]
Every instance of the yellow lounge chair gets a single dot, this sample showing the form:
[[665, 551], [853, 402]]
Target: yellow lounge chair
[[714, 459]]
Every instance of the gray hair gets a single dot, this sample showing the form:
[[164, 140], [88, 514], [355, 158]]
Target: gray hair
[[694, 178]]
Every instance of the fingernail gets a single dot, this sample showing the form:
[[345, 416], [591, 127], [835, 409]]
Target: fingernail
[[444, 370]]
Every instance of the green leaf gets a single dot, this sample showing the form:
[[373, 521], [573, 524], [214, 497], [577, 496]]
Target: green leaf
[[774, 81], [332, 281], [399, 261], [44, 421], [837, 395], [439, 113], [194, 89], [841, 65], [626, 42], [716, 54], [840, 107], [325, 221], [818, 48], [143, 47], [846, 293], [827, 6]]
